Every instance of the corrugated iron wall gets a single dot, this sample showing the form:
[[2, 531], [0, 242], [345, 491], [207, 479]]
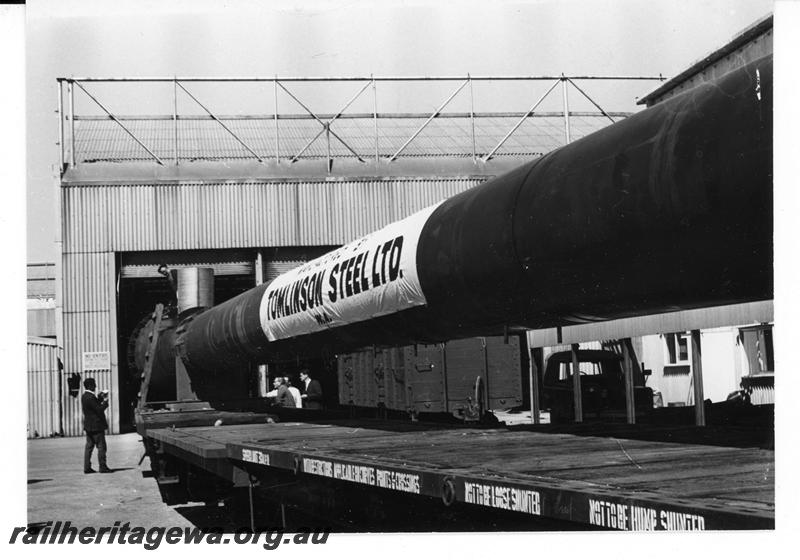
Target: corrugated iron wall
[[273, 269], [43, 388], [51, 409], [763, 395], [100, 218], [88, 299], [85, 218]]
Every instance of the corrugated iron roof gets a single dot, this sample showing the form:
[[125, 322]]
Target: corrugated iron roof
[[207, 140]]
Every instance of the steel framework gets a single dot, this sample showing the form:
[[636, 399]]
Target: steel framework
[[68, 117]]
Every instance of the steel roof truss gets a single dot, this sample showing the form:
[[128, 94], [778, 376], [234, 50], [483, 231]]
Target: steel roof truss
[[116, 120]]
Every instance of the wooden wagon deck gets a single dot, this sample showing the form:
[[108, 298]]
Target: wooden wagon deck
[[619, 481]]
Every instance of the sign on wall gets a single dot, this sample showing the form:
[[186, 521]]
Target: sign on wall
[[95, 361]]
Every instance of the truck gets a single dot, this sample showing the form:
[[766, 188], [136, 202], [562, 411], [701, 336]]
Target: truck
[[602, 385]]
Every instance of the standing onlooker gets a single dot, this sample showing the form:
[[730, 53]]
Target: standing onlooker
[[94, 424], [281, 394], [298, 401], [312, 391]]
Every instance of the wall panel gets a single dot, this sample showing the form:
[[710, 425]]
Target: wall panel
[[193, 215], [86, 281], [43, 389]]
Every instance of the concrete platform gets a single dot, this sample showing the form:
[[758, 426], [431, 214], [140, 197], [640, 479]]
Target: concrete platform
[[59, 490]]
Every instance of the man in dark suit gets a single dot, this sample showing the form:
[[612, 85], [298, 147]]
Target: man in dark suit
[[94, 424], [311, 391]]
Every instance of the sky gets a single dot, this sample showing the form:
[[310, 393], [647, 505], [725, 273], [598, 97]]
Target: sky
[[71, 38]]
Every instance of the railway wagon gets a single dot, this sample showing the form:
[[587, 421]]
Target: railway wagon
[[461, 377]]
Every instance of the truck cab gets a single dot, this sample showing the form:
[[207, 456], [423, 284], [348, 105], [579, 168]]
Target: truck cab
[[602, 386]]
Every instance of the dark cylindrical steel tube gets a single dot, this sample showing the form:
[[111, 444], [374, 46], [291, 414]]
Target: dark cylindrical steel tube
[[162, 373], [668, 209]]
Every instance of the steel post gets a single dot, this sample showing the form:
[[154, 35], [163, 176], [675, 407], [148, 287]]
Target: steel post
[[71, 94], [60, 109], [533, 377], [250, 503], [59, 288], [630, 402], [277, 137], [60, 409], [472, 115], [565, 94], [115, 400], [259, 267], [328, 145], [175, 118], [697, 380], [375, 119], [576, 384]]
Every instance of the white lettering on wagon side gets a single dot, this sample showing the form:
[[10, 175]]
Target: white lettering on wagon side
[[627, 517], [503, 497], [364, 474], [255, 456]]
